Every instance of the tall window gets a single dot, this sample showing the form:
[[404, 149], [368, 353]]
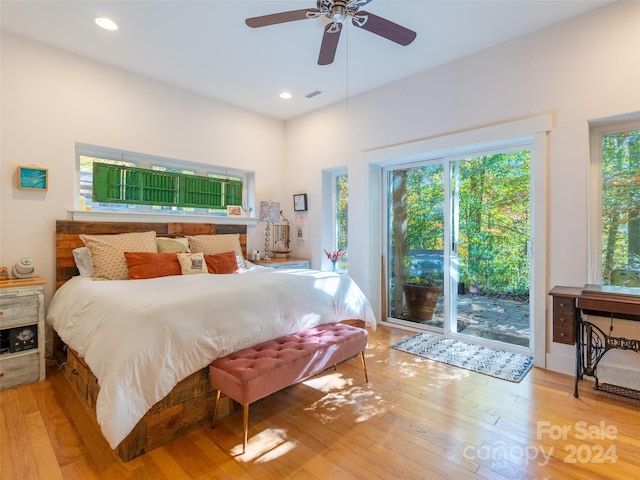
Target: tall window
[[616, 204], [335, 201], [341, 213], [127, 182]]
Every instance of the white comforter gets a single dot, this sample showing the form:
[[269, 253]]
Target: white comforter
[[141, 337]]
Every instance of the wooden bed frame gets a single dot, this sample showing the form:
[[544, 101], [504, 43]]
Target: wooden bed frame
[[190, 404]]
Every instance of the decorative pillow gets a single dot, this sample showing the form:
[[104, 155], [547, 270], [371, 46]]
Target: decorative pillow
[[172, 245], [107, 252], [213, 244], [221, 263], [152, 265], [83, 261], [192, 263]]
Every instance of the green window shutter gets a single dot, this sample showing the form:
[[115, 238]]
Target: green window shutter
[[201, 192], [141, 186], [233, 194]]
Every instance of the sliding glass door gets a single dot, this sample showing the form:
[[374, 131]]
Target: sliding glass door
[[458, 234]]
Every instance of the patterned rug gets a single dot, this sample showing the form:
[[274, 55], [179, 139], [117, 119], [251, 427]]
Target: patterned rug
[[489, 361]]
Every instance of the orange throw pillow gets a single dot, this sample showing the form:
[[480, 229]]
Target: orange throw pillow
[[221, 263], [151, 265]]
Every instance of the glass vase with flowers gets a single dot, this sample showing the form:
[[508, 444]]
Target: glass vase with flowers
[[334, 257]]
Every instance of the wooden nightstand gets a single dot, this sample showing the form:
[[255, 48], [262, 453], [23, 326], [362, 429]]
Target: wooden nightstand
[[283, 263], [21, 331]]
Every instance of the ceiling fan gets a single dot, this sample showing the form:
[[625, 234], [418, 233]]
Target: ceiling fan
[[338, 11]]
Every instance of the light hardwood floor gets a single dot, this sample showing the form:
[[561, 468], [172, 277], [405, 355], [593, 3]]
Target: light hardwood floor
[[416, 419]]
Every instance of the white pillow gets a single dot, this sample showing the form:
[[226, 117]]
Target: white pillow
[[83, 261]]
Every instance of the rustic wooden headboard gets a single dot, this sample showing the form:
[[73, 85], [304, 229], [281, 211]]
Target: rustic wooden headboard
[[68, 237]]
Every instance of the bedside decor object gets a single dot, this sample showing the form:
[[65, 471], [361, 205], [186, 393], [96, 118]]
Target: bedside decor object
[[33, 178], [300, 202], [282, 237], [334, 257], [270, 214], [23, 268]]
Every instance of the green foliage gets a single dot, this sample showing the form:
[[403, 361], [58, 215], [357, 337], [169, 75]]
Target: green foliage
[[494, 227], [620, 202], [429, 279], [342, 196], [493, 221], [425, 207]]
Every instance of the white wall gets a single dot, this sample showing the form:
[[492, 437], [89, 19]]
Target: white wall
[[51, 100], [583, 69]]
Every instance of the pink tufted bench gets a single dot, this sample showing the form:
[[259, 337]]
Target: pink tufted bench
[[256, 372]]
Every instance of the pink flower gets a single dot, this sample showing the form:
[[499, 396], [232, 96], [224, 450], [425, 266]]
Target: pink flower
[[335, 256]]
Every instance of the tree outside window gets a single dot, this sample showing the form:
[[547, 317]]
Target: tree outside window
[[342, 208], [620, 207]]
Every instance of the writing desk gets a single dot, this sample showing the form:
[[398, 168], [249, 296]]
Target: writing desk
[[590, 340]]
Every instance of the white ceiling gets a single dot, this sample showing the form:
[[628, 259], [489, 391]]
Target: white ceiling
[[205, 46]]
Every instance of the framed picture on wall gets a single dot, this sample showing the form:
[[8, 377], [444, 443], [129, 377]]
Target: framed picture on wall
[[300, 202], [33, 178]]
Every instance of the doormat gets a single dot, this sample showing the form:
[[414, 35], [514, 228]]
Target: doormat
[[488, 361]]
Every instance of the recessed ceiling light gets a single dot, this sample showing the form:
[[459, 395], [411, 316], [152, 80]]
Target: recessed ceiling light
[[285, 95], [106, 23]]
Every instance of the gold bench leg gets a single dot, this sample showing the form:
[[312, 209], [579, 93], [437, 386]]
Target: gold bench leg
[[215, 409], [245, 421], [364, 367]]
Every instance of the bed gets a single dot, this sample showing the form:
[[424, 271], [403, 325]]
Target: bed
[[137, 350]]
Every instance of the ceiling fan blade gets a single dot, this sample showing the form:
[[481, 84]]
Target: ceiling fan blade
[[282, 17], [329, 43], [359, 3], [383, 27]]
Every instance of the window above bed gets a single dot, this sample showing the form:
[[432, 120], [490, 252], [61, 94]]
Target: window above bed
[[125, 182]]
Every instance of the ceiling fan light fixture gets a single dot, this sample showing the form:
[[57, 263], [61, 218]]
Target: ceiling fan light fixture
[[286, 95], [338, 12], [106, 23]]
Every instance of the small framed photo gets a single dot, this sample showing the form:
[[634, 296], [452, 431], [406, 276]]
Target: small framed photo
[[33, 178], [300, 202], [234, 210]]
